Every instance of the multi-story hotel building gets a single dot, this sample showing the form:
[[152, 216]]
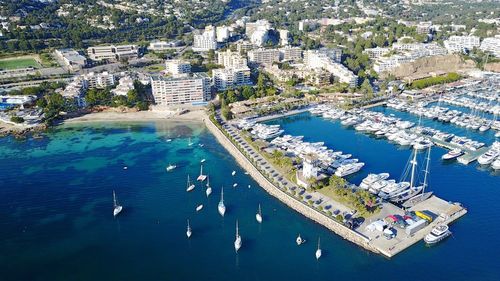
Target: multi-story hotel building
[[190, 89]]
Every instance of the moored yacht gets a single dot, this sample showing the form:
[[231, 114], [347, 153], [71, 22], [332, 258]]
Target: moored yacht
[[437, 234], [348, 169], [318, 251], [170, 167], [488, 157], [299, 240], [208, 191], [367, 182], [452, 154]]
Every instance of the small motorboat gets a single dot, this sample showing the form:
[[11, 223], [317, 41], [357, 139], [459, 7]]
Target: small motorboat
[[199, 207], [300, 241]]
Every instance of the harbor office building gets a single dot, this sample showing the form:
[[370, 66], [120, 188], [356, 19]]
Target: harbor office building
[[187, 89]]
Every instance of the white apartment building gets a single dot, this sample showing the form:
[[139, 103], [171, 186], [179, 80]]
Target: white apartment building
[[99, 80], [374, 53], [284, 37], [177, 67], [264, 56], [71, 59], [457, 44], [113, 52], [205, 41], [304, 25], [230, 59], [163, 45], [492, 45], [315, 59], [75, 91], [407, 53], [290, 53], [251, 27], [222, 33], [125, 84], [244, 46], [228, 78], [191, 89]]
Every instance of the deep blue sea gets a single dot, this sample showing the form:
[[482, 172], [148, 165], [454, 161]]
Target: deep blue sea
[[56, 219]]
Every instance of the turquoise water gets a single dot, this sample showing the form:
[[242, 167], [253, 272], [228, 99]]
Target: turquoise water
[[56, 218]]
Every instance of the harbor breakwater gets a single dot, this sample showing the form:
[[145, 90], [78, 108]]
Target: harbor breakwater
[[288, 200]]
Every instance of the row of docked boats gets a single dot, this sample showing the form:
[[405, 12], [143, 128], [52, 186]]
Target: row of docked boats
[[491, 157], [329, 161], [263, 131], [467, 120], [401, 132], [490, 106]]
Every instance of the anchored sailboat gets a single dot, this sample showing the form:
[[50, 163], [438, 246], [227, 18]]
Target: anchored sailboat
[[201, 177], [258, 216], [237, 242], [188, 231], [318, 251], [221, 208], [190, 186], [116, 207], [208, 191]]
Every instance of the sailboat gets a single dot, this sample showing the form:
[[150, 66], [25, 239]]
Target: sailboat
[[190, 143], [419, 194], [170, 167], [318, 251], [201, 177], [237, 242], [299, 240], [190, 186], [258, 216], [188, 231], [221, 207], [116, 208], [208, 191]]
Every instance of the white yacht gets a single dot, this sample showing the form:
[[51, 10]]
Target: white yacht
[[233, 173], [488, 157], [237, 242], [258, 216], [348, 169], [299, 240], [199, 207], [170, 167], [189, 185], [203, 160], [190, 143], [208, 191], [188, 231], [116, 207], [367, 182], [318, 251], [452, 154], [437, 234], [376, 187], [221, 208]]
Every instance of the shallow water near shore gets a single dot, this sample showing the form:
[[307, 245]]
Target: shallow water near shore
[[56, 218]]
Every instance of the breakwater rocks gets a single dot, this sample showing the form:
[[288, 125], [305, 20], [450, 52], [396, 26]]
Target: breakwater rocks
[[287, 199]]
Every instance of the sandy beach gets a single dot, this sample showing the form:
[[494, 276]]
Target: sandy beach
[[196, 115]]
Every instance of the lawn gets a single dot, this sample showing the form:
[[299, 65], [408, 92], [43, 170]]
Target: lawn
[[14, 63]]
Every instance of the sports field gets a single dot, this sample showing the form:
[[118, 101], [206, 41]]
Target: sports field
[[20, 62]]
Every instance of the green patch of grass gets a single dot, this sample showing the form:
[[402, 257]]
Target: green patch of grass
[[15, 63], [155, 68]]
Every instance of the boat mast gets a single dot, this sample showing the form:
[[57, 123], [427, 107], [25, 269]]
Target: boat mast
[[237, 232], [208, 181], [260, 212], [114, 199], [201, 169], [319, 239], [413, 166], [426, 172], [222, 195]]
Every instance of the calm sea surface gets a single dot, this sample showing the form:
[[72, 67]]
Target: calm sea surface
[[56, 219]]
